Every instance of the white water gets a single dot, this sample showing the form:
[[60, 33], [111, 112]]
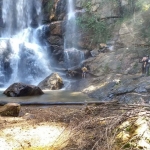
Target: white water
[[73, 56], [19, 15], [71, 10], [21, 44], [71, 27]]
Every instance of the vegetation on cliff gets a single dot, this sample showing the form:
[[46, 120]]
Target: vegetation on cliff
[[102, 28]]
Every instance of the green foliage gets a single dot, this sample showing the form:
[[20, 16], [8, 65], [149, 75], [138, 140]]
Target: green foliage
[[143, 4], [87, 6], [144, 28], [91, 23], [48, 6]]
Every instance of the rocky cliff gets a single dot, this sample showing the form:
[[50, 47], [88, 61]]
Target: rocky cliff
[[125, 21], [123, 25], [126, 39]]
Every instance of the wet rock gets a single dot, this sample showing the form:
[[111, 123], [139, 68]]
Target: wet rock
[[58, 10], [57, 52], [55, 40], [124, 89], [52, 82], [73, 74], [61, 8], [21, 89], [140, 90], [94, 53], [10, 109], [56, 28]]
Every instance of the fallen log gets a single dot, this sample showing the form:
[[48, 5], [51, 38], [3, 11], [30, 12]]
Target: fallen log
[[64, 103]]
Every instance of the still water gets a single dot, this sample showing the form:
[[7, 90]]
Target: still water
[[49, 97]]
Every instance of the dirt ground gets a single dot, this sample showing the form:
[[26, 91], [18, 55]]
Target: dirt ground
[[82, 127]]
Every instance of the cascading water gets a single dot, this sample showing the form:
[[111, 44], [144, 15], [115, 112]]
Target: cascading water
[[73, 56], [23, 51]]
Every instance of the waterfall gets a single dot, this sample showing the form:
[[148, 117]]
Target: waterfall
[[24, 52], [19, 15], [73, 56], [71, 10]]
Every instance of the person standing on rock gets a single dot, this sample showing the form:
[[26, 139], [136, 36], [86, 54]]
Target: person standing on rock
[[145, 65], [84, 71]]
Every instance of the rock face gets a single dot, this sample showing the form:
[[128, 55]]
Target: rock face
[[109, 11], [56, 28], [59, 9], [10, 109], [130, 89], [101, 8], [52, 82], [21, 89]]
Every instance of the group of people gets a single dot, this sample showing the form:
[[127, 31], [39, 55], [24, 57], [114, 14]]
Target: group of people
[[145, 65]]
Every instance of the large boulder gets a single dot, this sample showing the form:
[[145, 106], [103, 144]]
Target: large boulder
[[52, 82], [21, 89], [10, 109]]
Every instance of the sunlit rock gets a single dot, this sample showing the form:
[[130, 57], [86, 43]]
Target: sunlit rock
[[52, 82], [134, 133], [21, 89]]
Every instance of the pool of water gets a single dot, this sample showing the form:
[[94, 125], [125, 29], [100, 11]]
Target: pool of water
[[49, 97]]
